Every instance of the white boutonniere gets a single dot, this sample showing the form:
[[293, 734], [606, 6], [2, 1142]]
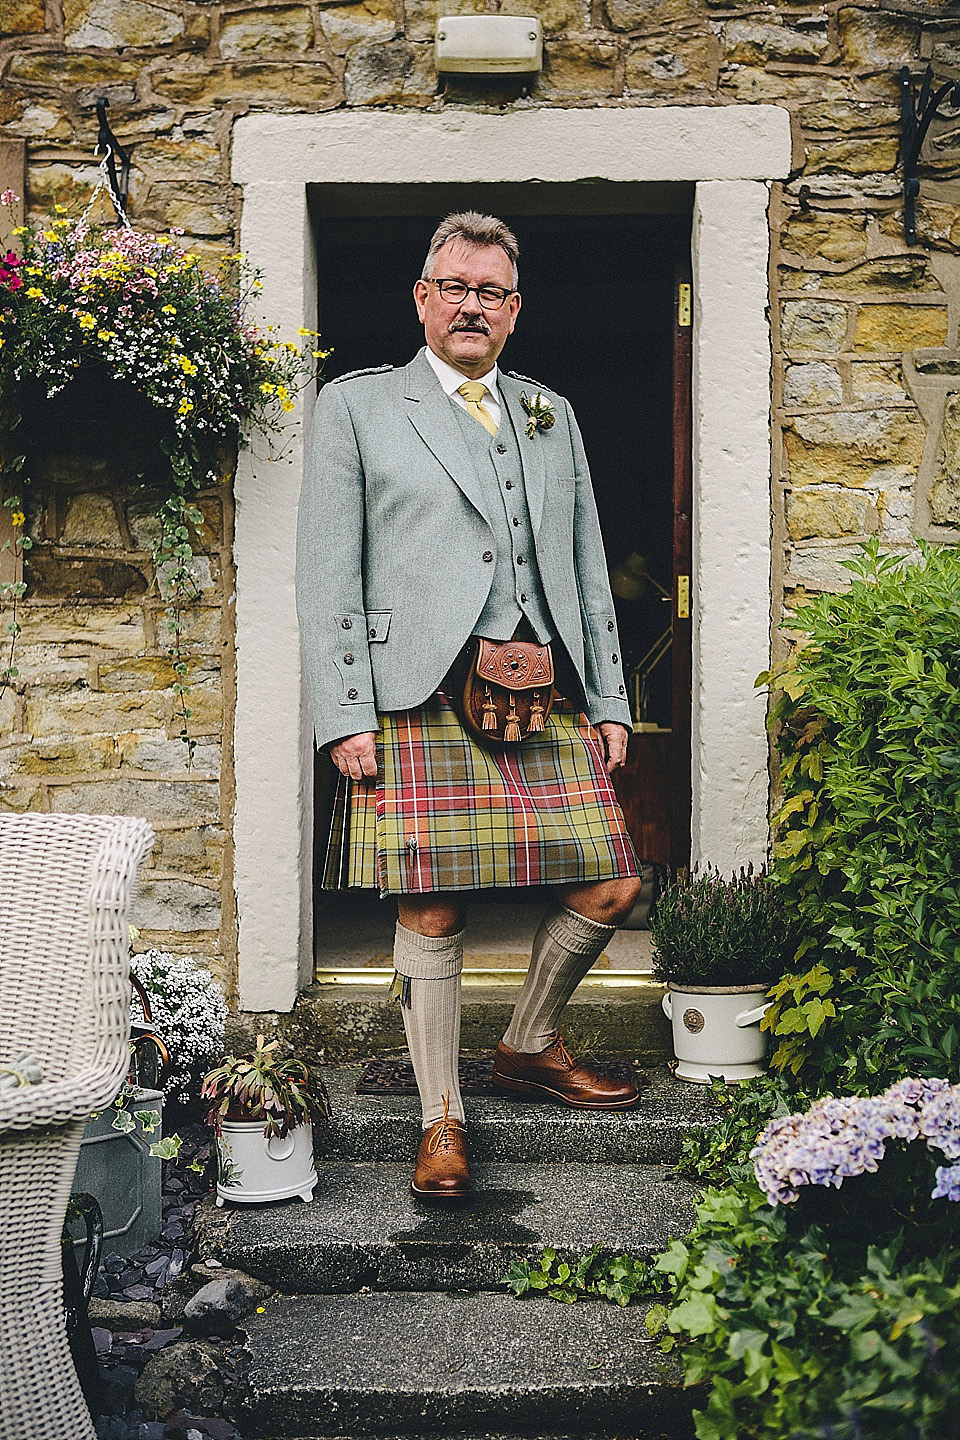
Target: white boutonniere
[[540, 413]]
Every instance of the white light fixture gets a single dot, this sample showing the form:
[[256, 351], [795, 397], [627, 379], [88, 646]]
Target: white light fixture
[[489, 45]]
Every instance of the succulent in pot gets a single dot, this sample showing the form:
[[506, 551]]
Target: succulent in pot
[[718, 945], [262, 1109]]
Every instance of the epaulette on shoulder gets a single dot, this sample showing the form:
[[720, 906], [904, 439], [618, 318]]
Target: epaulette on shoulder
[[513, 375], [370, 370]]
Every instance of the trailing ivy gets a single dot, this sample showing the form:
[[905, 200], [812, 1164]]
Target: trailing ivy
[[866, 719], [617, 1278]]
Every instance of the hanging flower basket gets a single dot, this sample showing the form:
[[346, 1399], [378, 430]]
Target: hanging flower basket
[[177, 329]]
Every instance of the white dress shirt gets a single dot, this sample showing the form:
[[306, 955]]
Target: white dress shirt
[[452, 379]]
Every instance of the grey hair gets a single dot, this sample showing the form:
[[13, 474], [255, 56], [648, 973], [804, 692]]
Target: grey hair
[[473, 229]]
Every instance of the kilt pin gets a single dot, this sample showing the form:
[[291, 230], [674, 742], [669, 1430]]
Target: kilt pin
[[402, 515]]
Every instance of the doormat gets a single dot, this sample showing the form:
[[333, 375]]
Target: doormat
[[393, 1075]]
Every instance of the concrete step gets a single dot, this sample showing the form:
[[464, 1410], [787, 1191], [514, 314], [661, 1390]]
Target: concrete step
[[364, 1229], [346, 1020], [435, 1364], [387, 1127]]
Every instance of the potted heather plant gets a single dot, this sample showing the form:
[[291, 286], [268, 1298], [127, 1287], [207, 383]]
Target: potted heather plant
[[718, 945], [262, 1110]]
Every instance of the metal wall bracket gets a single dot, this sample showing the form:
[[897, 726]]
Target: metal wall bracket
[[916, 113], [109, 145]]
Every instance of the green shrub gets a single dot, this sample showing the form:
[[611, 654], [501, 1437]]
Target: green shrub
[[719, 1153], [794, 1346], [712, 931], [867, 727]]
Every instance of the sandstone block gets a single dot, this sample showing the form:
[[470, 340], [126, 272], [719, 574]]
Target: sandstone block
[[422, 15], [878, 380], [853, 447], [69, 756], [111, 626], [200, 627], [650, 14], [945, 490], [71, 578], [830, 514], [813, 325], [92, 712], [759, 41], [899, 327], [369, 21], [19, 799], [179, 801], [579, 67], [200, 574], [938, 225], [820, 568], [284, 30], [197, 851], [29, 121], [91, 520], [815, 383], [849, 116], [380, 74], [876, 40], [896, 507], [22, 17], [554, 15], [54, 667], [52, 185], [310, 85], [198, 207], [835, 237], [867, 156], [165, 756], [673, 65], [751, 84], [177, 159], [906, 274], [58, 71], [110, 23], [146, 672], [175, 905]]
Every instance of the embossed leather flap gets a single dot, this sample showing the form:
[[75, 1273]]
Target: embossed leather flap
[[515, 664]]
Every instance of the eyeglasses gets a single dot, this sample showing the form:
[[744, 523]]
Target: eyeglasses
[[491, 297]]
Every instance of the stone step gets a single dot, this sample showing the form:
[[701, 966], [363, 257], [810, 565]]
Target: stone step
[[435, 1364], [347, 1020], [387, 1127], [365, 1229]]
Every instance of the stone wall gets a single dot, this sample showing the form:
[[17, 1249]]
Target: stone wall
[[866, 384]]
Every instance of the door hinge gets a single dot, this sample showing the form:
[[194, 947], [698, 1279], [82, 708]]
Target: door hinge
[[684, 303], [683, 597]]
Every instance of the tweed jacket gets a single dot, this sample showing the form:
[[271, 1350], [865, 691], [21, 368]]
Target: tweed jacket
[[394, 549]]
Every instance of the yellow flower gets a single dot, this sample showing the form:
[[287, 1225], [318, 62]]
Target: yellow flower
[[167, 310], [266, 388], [288, 404], [2, 341], [185, 406], [20, 230], [17, 518], [282, 392], [186, 365], [60, 209], [85, 320], [50, 235], [35, 293], [106, 334]]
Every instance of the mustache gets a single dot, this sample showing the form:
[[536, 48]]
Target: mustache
[[479, 326]]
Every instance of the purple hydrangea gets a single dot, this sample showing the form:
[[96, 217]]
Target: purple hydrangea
[[839, 1137]]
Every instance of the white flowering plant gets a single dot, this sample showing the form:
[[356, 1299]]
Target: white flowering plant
[[189, 1015], [176, 328]]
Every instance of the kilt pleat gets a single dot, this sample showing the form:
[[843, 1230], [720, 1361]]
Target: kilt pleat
[[447, 813]]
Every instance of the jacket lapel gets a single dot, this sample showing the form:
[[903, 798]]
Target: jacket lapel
[[429, 411], [531, 451]]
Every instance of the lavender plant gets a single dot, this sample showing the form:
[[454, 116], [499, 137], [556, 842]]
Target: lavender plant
[[711, 931]]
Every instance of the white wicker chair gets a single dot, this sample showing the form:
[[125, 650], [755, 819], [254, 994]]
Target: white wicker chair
[[65, 887]]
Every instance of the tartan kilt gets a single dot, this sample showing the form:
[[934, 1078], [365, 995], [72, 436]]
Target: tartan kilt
[[446, 813]]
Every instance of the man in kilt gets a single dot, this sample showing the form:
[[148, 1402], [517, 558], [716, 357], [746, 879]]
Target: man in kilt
[[445, 500]]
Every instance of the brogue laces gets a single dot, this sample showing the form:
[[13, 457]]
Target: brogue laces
[[444, 1137]]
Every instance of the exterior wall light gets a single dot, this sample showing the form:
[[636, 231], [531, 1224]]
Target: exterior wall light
[[489, 45]]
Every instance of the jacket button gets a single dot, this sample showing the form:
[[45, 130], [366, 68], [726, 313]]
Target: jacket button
[[488, 555], [609, 624], [523, 599], [351, 694], [515, 520], [348, 658], [501, 449], [347, 623], [614, 659], [373, 634], [622, 691], [519, 559], [508, 485]]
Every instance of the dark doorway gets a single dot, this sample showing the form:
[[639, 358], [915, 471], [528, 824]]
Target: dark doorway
[[598, 274]]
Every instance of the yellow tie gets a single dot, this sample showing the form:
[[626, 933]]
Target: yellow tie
[[473, 392]]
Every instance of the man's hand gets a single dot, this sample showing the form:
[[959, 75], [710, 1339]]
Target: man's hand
[[356, 756], [615, 738]]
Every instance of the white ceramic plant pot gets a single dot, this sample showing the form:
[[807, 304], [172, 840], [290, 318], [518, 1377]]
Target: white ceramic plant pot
[[716, 1032], [254, 1168]]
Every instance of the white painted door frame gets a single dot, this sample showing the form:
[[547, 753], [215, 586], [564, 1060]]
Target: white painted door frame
[[730, 153]]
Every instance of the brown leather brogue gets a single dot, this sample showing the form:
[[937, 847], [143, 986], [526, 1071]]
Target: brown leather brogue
[[555, 1075], [442, 1171]]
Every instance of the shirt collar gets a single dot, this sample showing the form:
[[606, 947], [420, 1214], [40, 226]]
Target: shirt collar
[[451, 379]]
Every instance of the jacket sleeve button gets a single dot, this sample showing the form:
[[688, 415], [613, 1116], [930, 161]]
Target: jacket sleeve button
[[373, 634], [610, 625], [614, 659], [347, 623], [351, 694], [348, 658], [622, 691], [488, 555]]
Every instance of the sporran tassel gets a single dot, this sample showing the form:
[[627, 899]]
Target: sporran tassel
[[536, 713], [511, 731], [489, 712]]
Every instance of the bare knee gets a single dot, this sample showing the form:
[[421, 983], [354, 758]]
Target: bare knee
[[432, 915], [609, 902]]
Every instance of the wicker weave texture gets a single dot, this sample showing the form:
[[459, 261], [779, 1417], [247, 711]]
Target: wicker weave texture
[[65, 887]]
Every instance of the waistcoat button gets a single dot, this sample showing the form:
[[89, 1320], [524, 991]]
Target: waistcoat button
[[348, 658], [347, 623], [351, 694], [488, 555]]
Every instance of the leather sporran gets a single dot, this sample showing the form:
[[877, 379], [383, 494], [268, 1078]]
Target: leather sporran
[[506, 691]]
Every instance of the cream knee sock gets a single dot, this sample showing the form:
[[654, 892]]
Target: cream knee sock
[[431, 1015], [564, 948]]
